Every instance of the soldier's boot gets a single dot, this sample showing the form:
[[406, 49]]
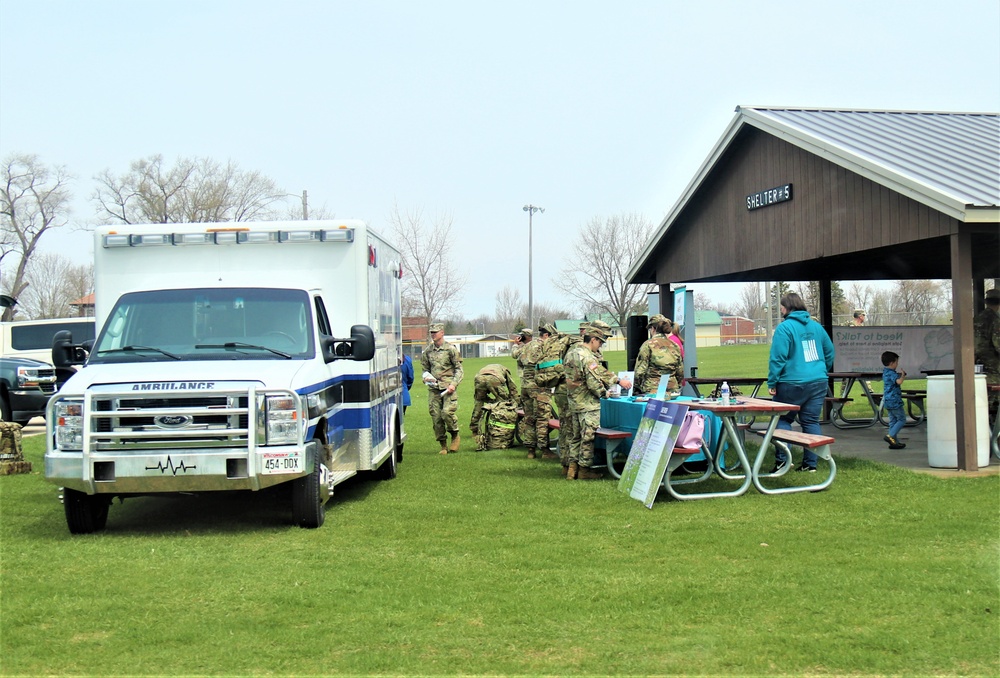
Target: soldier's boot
[[444, 446], [564, 470], [548, 454], [531, 453], [456, 439], [571, 470], [585, 473]]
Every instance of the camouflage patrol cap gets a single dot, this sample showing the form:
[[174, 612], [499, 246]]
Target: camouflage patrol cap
[[527, 332], [656, 319], [436, 327], [992, 296], [597, 332], [600, 325], [548, 327]]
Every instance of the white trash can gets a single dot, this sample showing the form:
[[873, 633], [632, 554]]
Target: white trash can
[[942, 440]]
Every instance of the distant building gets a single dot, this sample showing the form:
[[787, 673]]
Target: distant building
[[737, 330], [707, 328], [83, 307]]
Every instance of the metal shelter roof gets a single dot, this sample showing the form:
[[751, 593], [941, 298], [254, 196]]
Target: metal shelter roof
[[950, 158], [947, 161]]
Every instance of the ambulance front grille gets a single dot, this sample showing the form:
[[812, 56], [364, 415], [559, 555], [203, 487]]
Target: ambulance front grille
[[128, 422]]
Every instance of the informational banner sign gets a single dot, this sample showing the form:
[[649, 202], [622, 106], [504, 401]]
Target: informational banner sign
[[651, 449], [924, 347]]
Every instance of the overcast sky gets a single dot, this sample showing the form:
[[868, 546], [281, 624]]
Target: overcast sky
[[465, 109]]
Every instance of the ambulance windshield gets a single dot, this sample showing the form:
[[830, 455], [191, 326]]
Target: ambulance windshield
[[207, 324]]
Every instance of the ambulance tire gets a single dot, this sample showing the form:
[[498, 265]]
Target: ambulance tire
[[308, 505], [85, 513], [388, 469]]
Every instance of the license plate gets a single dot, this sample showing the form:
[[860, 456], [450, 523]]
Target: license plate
[[274, 464]]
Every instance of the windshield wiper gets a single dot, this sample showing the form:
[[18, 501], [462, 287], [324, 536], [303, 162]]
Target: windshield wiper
[[132, 349], [240, 344]]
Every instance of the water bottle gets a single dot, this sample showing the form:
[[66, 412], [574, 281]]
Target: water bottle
[[724, 392]]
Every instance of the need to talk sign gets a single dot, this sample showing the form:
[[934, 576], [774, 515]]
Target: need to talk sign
[[920, 348]]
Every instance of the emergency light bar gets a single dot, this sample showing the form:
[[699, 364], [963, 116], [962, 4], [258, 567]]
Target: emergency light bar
[[227, 237]]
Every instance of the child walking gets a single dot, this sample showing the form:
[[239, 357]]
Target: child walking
[[892, 398]]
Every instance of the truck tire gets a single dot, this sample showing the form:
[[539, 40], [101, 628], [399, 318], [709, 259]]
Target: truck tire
[[308, 505], [85, 513], [388, 469]]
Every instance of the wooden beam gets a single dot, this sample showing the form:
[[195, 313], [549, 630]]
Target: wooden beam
[[963, 346]]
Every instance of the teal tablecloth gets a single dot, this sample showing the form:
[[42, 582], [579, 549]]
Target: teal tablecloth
[[625, 414]]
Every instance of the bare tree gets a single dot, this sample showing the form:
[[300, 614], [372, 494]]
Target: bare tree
[[510, 309], [35, 199], [431, 285], [54, 283], [751, 302], [595, 275], [919, 302], [193, 190]]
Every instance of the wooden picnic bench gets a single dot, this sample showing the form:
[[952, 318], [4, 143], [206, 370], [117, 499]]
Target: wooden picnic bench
[[818, 443]]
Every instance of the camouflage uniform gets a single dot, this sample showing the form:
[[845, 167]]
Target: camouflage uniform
[[987, 329], [517, 350], [493, 384], [547, 355], [569, 433], [586, 382], [542, 396], [658, 356], [528, 388], [444, 362], [567, 423]]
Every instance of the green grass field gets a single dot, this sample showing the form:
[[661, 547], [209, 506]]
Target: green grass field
[[490, 563]]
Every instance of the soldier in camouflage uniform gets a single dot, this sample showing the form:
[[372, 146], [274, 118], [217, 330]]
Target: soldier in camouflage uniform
[[542, 396], [527, 370], [515, 352], [493, 384], [569, 434], [442, 365], [987, 329], [658, 356], [586, 383], [567, 423]]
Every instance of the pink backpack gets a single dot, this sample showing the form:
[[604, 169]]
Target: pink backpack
[[692, 434]]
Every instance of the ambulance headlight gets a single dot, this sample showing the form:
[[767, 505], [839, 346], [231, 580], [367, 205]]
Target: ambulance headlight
[[69, 424], [281, 420]]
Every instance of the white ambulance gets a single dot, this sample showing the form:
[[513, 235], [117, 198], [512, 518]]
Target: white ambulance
[[232, 356]]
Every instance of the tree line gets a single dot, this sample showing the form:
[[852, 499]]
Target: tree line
[[36, 200]]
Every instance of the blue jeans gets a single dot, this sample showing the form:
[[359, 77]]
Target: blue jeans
[[897, 417], [809, 397]]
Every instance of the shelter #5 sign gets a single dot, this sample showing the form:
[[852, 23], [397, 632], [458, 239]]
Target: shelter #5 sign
[[771, 196]]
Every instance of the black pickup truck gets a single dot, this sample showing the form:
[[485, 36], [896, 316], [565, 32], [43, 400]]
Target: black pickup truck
[[25, 388]]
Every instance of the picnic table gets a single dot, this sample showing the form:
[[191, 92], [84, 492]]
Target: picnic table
[[837, 402], [716, 382], [750, 473]]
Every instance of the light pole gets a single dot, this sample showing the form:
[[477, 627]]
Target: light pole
[[305, 202], [531, 209], [305, 205]]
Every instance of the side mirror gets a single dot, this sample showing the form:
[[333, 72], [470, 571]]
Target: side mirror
[[65, 353], [360, 347]]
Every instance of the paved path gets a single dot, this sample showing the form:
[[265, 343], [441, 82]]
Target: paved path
[[867, 443]]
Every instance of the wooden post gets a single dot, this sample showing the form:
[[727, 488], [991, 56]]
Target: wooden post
[[963, 314]]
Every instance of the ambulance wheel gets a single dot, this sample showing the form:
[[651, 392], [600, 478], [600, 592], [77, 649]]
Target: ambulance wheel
[[85, 513], [388, 469], [308, 506]]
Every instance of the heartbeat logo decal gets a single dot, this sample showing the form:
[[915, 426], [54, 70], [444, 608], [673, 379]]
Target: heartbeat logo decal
[[174, 469]]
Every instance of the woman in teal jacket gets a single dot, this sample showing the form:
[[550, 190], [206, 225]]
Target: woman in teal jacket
[[801, 357]]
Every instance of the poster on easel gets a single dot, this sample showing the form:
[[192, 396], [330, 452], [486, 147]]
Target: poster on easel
[[651, 450]]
